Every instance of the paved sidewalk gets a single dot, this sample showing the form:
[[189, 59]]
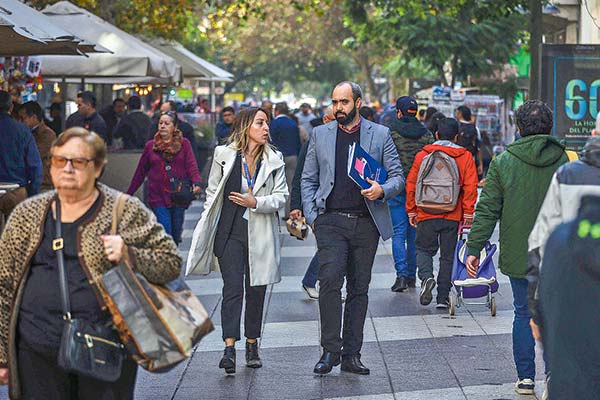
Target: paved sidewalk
[[414, 352]]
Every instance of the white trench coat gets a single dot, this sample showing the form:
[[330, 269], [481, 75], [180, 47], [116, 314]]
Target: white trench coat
[[270, 191]]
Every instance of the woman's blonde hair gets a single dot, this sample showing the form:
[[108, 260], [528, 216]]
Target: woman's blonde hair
[[239, 137]]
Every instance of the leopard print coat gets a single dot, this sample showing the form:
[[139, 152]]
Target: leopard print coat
[[148, 247]]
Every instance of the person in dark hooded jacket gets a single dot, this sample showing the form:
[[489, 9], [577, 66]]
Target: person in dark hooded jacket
[[410, 136], [570, 298]]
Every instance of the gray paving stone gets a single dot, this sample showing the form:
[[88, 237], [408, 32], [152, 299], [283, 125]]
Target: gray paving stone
[[288, 307]]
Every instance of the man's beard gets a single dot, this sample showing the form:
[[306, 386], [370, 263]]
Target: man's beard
[[346, 118]]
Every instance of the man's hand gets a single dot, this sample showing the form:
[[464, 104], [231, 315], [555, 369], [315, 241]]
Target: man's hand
[[472, 266], [535, 330], [467, 221], [295, 214], [374, 192], [245, 200], [3, 376], [480, 169], [412, 220]]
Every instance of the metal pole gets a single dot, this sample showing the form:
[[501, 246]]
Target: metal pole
[[535, 28], [213, 102], [63, 108]]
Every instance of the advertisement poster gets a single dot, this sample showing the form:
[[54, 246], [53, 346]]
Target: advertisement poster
[[570, 86]]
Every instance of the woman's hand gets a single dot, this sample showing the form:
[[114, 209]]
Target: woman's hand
[[3, 376], [114, 247], [245, 200]]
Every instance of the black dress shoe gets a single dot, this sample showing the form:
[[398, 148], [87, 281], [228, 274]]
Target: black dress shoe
[[352, 364], [412, 282], [327, 362], [228, 360], [252, 357], [400, 285]]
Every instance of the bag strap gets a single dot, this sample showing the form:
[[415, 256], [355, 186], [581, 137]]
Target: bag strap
[[169, 170], [118, 208], [58, 246]]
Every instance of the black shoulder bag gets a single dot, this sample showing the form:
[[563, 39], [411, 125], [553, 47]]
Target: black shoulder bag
[[181, 190], [91, 350]]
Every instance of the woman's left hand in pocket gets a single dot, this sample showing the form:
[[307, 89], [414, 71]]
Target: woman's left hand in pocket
[[245, 200], [114, 247]]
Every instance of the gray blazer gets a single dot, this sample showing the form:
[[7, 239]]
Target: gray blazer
[[319, 171]]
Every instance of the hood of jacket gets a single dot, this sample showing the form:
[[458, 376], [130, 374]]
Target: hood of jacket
[[591, 152], [409, 127], [537, 150], [453, 151]]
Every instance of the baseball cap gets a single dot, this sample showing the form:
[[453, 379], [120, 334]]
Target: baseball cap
[[407, 105]]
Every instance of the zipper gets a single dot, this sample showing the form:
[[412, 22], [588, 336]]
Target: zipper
[[89, 340]]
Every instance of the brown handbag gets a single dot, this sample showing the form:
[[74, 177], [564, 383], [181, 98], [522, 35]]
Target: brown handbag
[[159, 324]]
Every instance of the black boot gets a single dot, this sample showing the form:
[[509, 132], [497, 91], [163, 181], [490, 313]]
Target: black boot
[[327, 362], [412, 282], [252, 358], [228, 360], [352, 364], [400, 285]]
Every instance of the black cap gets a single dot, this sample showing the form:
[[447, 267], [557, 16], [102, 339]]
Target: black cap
[[407, 105]]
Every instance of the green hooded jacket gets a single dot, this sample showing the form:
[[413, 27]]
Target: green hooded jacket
[[515, 187]]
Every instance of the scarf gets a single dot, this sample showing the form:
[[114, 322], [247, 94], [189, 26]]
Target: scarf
[[168, 148]]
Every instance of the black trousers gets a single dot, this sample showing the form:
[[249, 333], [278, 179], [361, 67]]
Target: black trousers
[[346, 248], [431, 235], [42, 379], [236, 275]]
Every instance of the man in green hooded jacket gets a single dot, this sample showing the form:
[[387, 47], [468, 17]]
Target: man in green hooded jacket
[[514, 190]]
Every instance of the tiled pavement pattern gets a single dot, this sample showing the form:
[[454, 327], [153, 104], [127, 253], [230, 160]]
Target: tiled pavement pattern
[[414, 352]]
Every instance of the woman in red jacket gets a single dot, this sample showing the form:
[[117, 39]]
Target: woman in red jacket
[[173, 177]]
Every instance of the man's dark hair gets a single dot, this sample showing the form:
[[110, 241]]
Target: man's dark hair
[[118, 100], [534, 117], [356, 90], [434, 121], [282, 108], [88, 97], [421, 113], [55, 106], [465, 112], [33, 108], [367, 113], [447, 129], [228, 109], [134, 103], [5, 101]]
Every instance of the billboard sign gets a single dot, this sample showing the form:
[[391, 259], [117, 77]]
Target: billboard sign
[[570, 86]]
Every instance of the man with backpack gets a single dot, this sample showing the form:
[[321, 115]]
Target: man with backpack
[[469, 136], [441, 191], [409, 136]]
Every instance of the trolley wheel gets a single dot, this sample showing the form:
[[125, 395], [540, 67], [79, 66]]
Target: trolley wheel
[[452, 308], [493, 306]]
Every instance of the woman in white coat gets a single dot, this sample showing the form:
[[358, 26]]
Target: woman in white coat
[[239, 229]]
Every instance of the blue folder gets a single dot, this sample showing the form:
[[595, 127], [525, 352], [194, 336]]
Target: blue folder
[[362, 166]]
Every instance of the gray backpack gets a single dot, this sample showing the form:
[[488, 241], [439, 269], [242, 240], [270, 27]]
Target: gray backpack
[[438, 186]]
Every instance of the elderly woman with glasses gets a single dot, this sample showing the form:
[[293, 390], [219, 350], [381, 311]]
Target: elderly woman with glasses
[[169, 164], [31, 313]]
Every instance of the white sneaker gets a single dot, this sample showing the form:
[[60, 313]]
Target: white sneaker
[[313, 293], [545, 395], [525, 386]]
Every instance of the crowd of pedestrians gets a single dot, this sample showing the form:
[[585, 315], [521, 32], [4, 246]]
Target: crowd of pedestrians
[[272, 164]]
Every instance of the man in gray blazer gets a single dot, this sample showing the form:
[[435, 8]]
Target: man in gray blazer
[[347, 222]]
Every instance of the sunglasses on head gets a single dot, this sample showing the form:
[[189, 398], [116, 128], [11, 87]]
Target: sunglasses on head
[[77, 163]]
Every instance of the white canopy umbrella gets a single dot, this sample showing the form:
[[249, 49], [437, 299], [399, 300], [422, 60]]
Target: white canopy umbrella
[[26, 31], [131, 57]]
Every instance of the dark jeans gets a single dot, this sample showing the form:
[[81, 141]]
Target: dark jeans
[[431, 235], [41, 378], [312, 273], [234, 270], [346, 248], [172, 220]]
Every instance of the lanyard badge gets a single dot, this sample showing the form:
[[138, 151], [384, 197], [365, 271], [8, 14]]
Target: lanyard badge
[[251, 180]]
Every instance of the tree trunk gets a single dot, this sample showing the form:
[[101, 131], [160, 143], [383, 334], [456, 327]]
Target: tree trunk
[[362, 59]]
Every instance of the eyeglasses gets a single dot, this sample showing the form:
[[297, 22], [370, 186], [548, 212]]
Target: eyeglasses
[[77, 163]]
